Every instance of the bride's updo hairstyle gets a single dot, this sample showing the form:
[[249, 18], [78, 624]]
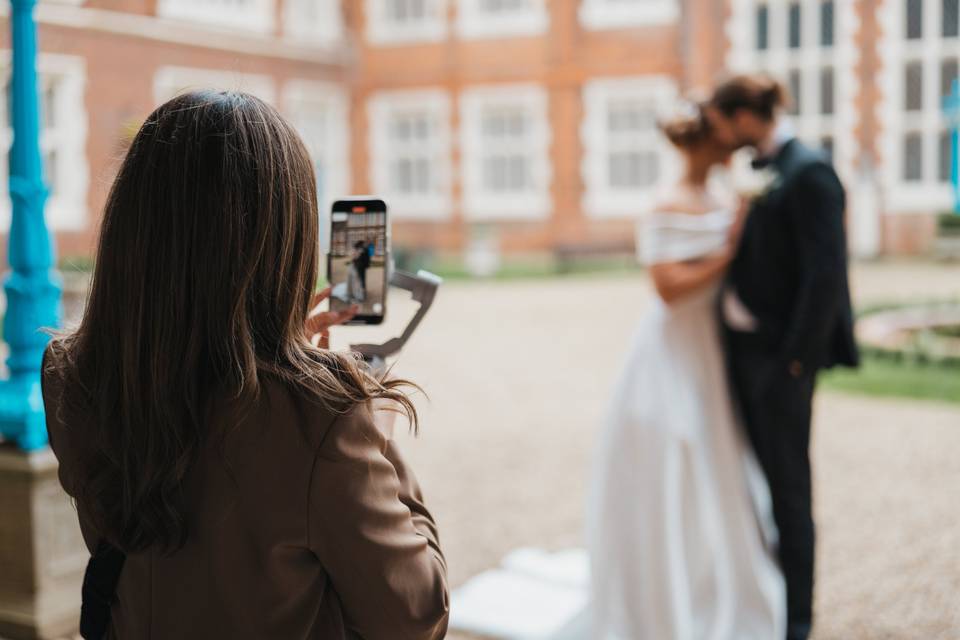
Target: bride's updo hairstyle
[[756, 92], [688, 129]]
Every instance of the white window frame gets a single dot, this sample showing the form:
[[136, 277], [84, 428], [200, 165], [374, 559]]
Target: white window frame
[[66, 207], [381, 31], [809, 59], [327, 30], [259, 17], [169, 82], [333, 147], [381, 109], [475, 23], [480, 204], [600, 200], [611, 14], [928, 195]]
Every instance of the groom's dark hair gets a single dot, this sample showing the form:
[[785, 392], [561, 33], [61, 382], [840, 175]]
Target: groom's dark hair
[[757, 93]]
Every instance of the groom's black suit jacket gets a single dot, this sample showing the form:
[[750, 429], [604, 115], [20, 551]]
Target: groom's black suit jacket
[[791, 268]]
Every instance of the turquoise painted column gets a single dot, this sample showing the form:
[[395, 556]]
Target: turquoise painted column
[[32, 287], [951, 107]]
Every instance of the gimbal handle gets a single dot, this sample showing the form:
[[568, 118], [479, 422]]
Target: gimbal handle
[[423, 287]]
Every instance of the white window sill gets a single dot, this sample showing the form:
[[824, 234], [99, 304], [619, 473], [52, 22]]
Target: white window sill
[[418, 208], [477, 27], [386, 34], [257, 19], [597, 16], [490, 206]]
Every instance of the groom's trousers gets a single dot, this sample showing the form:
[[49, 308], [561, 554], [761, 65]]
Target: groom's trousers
[[776, 410]]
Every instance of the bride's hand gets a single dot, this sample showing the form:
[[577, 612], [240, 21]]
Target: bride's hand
[[319, 322]]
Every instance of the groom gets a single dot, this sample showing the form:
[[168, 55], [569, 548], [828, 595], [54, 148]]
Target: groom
[[786, 310]]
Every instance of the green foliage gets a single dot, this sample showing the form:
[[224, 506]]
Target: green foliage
[[516, 268], [902, 379], [949, 223], [949, 331], [920, 371], [76, 264]]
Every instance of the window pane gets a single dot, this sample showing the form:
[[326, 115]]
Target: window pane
[[50, 170], [913, 86], [794, 26], [826, 143], [763, 27], [422, 175], [914, 19], [951, 18], [945, 151], [913, 157], [633, 169], [826, 91], [794, 80], [407, 10], [404, 179], [826, 23], [47, 98], [948, 75], [630, 117], [498, 6], [504, 172], [518, 175]]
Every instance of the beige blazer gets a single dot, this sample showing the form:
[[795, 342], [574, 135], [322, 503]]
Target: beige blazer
[[302, 524]]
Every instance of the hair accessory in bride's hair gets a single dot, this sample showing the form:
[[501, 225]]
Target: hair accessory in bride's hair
[[687, 126]]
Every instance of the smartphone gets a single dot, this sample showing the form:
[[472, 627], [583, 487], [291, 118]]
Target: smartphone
[[359, 258]]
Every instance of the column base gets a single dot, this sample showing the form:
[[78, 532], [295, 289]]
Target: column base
[[42, 553]]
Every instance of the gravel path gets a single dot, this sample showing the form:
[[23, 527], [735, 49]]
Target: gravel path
[[519, 373]]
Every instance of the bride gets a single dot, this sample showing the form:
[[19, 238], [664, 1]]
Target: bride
[[680, 528]]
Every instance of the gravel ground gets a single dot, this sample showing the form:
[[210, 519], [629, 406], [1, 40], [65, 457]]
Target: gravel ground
[[519, 373]]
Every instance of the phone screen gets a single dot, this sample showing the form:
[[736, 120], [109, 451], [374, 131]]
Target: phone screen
[[358, 258]]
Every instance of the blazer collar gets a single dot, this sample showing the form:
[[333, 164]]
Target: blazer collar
[[785, 155]]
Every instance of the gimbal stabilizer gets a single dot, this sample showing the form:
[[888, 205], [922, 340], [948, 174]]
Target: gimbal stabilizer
[[423, 287]]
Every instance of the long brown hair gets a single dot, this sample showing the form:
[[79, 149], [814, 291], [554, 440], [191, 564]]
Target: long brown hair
[[206, 264]]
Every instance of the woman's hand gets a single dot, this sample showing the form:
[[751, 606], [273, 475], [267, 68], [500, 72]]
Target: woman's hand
[[319, 322]]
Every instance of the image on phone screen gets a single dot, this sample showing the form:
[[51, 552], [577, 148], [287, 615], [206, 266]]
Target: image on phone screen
[[357, 262]]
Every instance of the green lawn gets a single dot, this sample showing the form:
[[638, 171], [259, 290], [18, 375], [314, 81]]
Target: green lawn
[[887, 377], [535, 268]]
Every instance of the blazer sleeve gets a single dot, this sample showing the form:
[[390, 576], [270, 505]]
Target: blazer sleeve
[[369, 527], [817, 213]]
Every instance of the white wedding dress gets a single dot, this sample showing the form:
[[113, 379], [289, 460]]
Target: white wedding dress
[[679, 529]]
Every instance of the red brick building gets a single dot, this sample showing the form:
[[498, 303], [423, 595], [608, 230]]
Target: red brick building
[[531, 120]]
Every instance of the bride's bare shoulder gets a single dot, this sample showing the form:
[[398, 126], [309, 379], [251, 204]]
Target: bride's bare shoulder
[[676, 199], [677, 203]]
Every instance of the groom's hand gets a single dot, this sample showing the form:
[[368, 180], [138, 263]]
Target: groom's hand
[[796, 368]]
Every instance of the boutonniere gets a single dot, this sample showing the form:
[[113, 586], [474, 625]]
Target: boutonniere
[[770, 180], [762, 182]]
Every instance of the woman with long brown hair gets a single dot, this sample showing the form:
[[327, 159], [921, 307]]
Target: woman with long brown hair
[[202, 427]]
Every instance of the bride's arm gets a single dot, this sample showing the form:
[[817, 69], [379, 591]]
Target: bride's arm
[[676, 280]]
